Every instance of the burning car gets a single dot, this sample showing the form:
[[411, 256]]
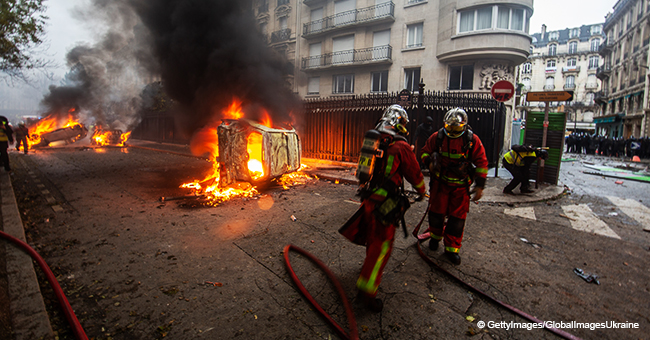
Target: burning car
[[252, 152], [101, 137], [68, 134]]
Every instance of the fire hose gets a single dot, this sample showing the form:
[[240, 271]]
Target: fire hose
[[524, 315], [352, 322], [63, 301]]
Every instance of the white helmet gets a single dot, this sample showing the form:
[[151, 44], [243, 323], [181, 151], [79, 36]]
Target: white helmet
[[394, 120], [455, 122]]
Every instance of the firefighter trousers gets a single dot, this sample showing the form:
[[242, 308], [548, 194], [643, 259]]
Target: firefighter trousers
[[451, 202], [379, 246]]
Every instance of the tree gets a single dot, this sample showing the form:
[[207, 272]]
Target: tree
[[21, 28]]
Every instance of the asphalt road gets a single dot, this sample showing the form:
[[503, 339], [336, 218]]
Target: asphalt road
[[134, 267]]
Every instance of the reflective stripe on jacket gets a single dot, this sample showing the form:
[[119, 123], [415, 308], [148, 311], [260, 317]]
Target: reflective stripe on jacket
[[517, 158]]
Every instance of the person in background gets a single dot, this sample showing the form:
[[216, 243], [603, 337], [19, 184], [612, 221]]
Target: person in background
[[422, 133], [518, 161], [6, 138], [21, 137]]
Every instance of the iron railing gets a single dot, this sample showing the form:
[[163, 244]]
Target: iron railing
[[355, 16], [569, 86], [281, 35], [549, 87], [590, 86], [349, 57], [570, 69]]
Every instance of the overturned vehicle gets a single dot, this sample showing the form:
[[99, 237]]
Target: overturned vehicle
[[69, 134]]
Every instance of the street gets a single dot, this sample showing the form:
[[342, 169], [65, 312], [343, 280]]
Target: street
[[136, 267]]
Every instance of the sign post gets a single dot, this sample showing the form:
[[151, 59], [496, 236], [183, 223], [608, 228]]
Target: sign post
[[547, 96], [501, 91]]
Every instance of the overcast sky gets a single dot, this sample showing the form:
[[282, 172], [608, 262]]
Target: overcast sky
[[64, 31], [561, 14]]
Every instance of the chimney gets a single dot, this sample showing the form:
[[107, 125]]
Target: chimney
[[543, 32]]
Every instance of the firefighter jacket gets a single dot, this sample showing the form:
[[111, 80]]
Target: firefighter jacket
[[457, 159], [6, 133], [520, 156], [398, 163]]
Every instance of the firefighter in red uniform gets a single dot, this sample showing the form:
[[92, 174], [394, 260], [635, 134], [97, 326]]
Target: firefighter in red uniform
[[456, 158], [383, 203]]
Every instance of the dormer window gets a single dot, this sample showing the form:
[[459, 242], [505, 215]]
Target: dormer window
[[553, 35]]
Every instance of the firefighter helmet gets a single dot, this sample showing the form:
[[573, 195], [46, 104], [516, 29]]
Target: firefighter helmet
[[394, 120], [455, 122]]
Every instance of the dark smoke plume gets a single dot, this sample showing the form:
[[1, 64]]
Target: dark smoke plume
[[209, 51]]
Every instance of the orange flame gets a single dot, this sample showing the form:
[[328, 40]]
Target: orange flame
[[105, 137], [234, 111], [49, 124]]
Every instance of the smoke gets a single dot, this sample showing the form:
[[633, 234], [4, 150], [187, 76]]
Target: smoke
[[209, 52], [206, 52], [105, 79]]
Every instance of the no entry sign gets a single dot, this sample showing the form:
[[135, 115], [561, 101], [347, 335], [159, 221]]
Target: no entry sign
[[503, 90]]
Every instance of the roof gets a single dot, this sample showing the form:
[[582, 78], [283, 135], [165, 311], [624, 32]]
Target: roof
[[563, 37]]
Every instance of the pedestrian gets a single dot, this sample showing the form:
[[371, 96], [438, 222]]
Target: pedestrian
[[21, 137], [6, 138], [518, 161], [456, 159], [422, 133], [383, 202]]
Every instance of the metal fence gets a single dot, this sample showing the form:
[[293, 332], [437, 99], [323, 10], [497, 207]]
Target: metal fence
[[334, 127]]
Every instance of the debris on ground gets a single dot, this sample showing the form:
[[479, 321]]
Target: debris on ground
[[587, 277]]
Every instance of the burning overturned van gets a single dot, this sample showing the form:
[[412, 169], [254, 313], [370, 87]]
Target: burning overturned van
[[252, 152]]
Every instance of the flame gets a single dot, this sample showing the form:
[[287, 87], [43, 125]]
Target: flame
[[233, 111], [105, 137], [49, 124], [206, 141]]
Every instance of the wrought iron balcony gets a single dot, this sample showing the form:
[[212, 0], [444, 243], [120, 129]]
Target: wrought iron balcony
[[281, 35], [591, 86], [566, 69], [604, 71], [372, 14], [551, 70], [600, 97], [368, 55], [605, 47], [570, 86], [312, 2], [549, 87]]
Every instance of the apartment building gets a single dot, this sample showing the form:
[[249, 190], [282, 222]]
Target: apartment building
[[564, 60], [350, 47], [624, 71]]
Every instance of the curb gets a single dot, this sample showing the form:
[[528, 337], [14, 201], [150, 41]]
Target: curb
[[28, 315]]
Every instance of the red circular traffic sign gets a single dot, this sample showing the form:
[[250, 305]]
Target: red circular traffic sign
[[503, 90]]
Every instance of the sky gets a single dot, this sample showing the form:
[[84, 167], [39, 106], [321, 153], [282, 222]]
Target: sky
[[561, 14]]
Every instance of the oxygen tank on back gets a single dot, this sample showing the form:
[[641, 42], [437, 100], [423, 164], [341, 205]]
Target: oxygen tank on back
[[368, 157]]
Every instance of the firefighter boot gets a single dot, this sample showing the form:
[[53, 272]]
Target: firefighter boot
[[436, 223], [371, 302], [453, 257]]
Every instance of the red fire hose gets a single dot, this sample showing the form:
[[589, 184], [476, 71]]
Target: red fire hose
[[67, 309], [352, 322], [524, 315]]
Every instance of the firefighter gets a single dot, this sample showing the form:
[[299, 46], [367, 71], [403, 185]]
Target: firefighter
[[6, 138], [21, 137], [383, 202], [456, 159], [518, 161]]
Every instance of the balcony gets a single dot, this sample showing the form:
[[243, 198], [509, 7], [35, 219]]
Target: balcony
[[604, 71], [601, 97], [370, 55], [605, 48], [412, 2], [374, 14], [566, 69], [281, 36], [591, 86], [283, 2], [549, 87], [550, 70], [312, 2], [569, 87]]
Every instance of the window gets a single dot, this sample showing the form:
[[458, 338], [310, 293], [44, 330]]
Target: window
[[491, 17], [313, 87], [526, 82], [553, 35], [283, 23], [461, 77], [414, 35], [596, 29], [595, 44], [570, 81], [343, 50], [550, 65], [412, 79], [527, 68], [571, 62], [593, 62], [574, 33], [379, 81], [343, 83], [552, 49], [573, 47]]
